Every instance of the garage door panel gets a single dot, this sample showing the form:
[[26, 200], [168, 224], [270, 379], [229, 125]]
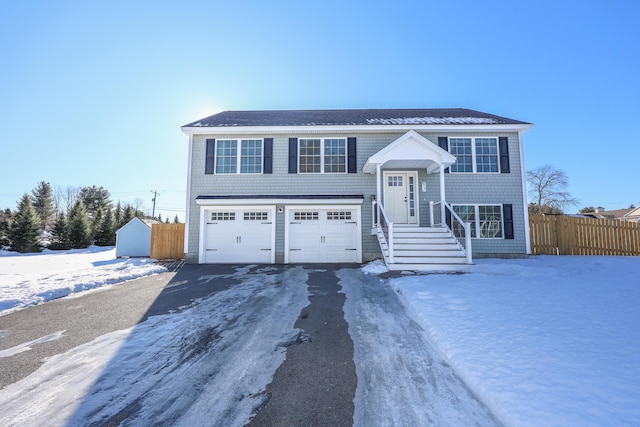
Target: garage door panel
[[319, 234], [239, 236]]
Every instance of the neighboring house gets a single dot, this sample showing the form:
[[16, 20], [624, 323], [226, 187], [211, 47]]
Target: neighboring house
[[134, 239], [306, 186], [632, 216], [619, 214]]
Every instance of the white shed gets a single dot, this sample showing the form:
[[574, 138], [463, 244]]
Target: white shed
[[134, 239]]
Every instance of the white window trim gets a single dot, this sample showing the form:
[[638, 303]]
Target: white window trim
[[322, 139], [474, 165], [238, 156], [476, 224]]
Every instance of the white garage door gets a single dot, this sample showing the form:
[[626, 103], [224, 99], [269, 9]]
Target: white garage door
[[317, 234], [239, 235]]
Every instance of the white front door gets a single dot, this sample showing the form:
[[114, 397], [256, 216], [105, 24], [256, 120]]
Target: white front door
[[400, 197]]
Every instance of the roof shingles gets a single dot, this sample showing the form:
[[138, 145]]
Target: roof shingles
[[453, 116]]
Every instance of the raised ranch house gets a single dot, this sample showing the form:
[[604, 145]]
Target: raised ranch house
[[424, 189]]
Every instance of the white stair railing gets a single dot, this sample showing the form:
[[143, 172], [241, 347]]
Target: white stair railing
[[382, 223], [454, 216]]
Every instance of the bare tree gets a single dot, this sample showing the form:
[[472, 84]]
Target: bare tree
[[138, 203], [546, 187], [65, 197]]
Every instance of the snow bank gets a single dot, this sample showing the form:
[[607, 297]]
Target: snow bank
[[30, 279], [543, 341]]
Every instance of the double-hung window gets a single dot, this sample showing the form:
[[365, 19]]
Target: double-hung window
[[238, 156], [486, 221], [322, 155], [474, 154]]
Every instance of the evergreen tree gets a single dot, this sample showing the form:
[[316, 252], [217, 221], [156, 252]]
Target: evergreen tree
[[96, 223], [95, 198], [107, 233], [166, 221], [60, 234], [128, 213], [79, 228], [159, 217], [117, 218], [42, 197], [24, 231], [176, 220], [5, 220]]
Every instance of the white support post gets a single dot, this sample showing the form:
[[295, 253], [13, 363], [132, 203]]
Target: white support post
[[431, 213], [378, 192], [442, 195], [390, 243], [467, 242]]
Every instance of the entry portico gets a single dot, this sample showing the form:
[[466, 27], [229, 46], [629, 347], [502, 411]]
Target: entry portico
[[404, 157]]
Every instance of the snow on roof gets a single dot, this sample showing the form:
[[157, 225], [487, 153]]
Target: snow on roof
[[434, 121]]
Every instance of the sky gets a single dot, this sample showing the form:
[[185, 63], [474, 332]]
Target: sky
[[95, 93]]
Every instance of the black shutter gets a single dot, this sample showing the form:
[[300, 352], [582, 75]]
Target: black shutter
[[293, 155], [351, 155], [443, 142], [267, 156], [507, 218], [447, 216], [210, 156], [504, 154]]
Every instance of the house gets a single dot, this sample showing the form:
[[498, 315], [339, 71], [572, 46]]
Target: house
[[628, 214], [424, 189], [134, 238], [632, 216]]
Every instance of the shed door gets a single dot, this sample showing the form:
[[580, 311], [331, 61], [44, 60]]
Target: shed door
[[239, 236], [318, 234]]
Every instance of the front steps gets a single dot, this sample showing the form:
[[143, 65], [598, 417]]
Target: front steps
[[423, 249]]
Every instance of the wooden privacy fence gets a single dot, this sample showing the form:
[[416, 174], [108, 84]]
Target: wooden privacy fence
[[167, 241], [567, 235]]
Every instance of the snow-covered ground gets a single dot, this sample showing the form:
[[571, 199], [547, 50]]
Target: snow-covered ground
[[544, 341], [551, 341], [29, 279]]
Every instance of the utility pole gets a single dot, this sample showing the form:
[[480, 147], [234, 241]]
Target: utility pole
[[155, 194]]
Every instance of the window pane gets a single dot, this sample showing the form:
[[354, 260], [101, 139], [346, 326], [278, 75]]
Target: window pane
[[490, 221], [468, 214], [226, 156], [335, 155], [486, 155], [461, 148], [251, 156], [309, 155]]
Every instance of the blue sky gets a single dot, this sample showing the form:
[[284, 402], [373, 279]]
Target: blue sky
[[94, 93]]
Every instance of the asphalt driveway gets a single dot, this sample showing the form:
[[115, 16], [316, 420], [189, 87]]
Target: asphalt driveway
[[317, 345]]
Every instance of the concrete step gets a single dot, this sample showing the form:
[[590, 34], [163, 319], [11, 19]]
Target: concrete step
[[422, 240], [459, 268], [449, 246], [421, 231], [454, 252], [429, 259]]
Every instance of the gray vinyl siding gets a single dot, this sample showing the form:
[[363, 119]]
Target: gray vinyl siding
[[460, 188]]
